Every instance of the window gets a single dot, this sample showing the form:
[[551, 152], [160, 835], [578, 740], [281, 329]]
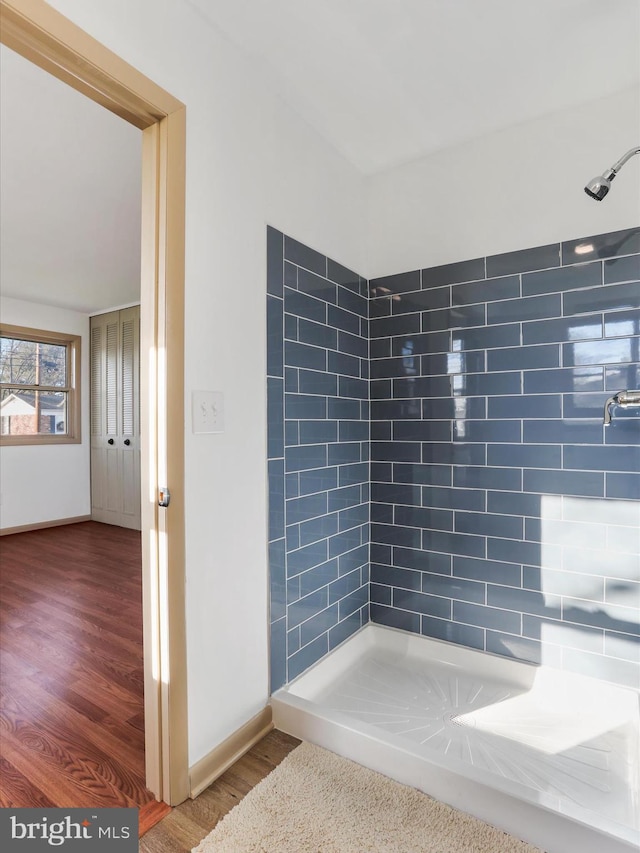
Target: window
[[39, 387]]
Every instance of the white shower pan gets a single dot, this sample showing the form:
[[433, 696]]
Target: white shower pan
[[549, 756]]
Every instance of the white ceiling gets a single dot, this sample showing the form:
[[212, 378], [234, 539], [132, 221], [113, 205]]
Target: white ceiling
[[388, 81], [70, 194], [383, 81]]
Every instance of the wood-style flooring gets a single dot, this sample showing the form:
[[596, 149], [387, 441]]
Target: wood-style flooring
[[190, 822], [71, 669]]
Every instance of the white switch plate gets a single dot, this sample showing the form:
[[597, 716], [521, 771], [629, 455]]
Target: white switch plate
[[207, 411]]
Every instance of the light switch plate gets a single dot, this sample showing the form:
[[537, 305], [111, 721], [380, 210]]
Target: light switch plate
[[207, 411]]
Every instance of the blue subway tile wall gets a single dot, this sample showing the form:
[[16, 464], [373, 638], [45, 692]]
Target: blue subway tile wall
[[466, 403], [506, 515], [318, 451]]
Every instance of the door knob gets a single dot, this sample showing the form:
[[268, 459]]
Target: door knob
[[110, 441], [127, 442]]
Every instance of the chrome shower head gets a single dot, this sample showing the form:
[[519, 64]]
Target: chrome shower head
[[598, 187]]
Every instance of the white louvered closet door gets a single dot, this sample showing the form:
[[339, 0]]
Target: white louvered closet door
[[115, 418]]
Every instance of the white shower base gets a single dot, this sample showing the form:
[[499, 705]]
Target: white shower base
[[548, 756]]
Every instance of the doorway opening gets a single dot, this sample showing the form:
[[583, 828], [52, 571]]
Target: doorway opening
[[44, 37]]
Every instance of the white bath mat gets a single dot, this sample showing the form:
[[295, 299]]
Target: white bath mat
[[318, 802]]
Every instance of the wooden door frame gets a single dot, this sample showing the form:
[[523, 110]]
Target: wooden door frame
[[48, 39]]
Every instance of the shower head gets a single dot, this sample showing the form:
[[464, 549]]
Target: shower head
[[598, 187]]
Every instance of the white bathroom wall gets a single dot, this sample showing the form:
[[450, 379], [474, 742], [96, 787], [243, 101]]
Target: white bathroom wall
[[250, 162], [50, 482], [511, 190]]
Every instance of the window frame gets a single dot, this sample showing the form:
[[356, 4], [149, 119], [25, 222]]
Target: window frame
[[72, 390]]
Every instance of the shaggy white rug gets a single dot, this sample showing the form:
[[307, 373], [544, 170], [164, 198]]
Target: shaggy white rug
[[318, 802]]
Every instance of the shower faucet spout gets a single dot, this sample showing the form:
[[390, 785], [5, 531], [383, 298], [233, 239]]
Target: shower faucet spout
[[624, 399]]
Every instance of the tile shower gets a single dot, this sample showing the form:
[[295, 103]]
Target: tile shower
[[318, 450], [438, 460]]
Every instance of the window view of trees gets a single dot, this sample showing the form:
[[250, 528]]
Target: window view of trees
[[31, 372], [32, 363]]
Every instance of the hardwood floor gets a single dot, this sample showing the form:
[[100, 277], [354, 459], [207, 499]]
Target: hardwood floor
[[190, 822], [71, 712]]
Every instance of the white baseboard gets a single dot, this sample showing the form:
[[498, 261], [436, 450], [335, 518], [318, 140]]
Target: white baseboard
[[41, 525]]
